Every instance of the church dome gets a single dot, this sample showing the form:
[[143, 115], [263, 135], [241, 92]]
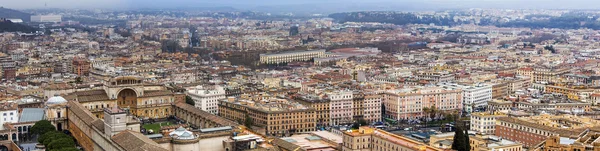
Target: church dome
[[56, 99]]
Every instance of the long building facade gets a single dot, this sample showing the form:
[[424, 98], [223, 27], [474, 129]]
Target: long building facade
[[287, 57], [371, 139], [130, 93], [404, 104], [279, 117]]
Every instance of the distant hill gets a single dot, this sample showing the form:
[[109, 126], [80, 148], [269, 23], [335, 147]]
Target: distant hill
[[7, 26], [11, 13]]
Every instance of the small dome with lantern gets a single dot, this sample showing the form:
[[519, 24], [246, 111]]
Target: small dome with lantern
[[56, 99]]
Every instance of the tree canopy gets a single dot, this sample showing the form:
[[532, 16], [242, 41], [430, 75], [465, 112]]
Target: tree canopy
[[49, 137], [41, 127], [248, 122], [459, 142], [189, 100], [61, 143], [66, 149]]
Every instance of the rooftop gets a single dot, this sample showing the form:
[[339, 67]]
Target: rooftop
[[308, 142], [32, 115]]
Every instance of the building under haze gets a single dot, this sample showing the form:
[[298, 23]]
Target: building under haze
[[46, 18]]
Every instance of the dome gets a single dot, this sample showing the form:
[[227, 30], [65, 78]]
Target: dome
[[181, 133], [56, 99]]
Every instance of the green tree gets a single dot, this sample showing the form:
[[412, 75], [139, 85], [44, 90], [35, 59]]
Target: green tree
[[42, 138], [42, 126], [426, 111], [78, 80], [359, 122], [459, 139], [190, 101], [61, 143], [66, 149], [49, 137], [467, 141], [248, 122]]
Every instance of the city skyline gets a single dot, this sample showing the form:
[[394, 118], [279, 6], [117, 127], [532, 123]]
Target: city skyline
[[274, 5], [333, 75]]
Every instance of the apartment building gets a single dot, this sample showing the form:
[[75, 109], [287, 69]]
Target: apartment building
[[531, 131], [8, 113], [81, 66], [279, 117], [286, 57], [548, 74], [478, 142], [321, 106], [371, 107], [341, 107], [435, 76], [572, 92], [485, 122], [408, 103], [371, 139], [500, 105], [206, 98], [475, 95]]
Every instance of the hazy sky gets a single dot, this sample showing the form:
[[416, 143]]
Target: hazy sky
[[257, 4]]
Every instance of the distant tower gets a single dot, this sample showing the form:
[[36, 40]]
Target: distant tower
[[294, 30]]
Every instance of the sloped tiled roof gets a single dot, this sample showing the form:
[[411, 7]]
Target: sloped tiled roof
[[99, 124], [88, 96], [286, 145], [85, 115], [133, 141], [157, 93]]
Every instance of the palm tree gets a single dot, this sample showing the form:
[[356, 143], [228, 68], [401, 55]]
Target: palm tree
[[433, 111], [427, 111]]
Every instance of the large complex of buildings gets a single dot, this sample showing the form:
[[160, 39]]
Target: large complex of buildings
[[366, 138], [130, 93], [286, 57], [473, 96], [477, 142], [277, 117], [485, 122], [408, 103], [46, 18], [531, 131]]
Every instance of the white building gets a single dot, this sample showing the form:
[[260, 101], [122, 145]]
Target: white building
[[485, 122], [46, 18], [8, 113], [476, 95], [341, 107], [207, 98]]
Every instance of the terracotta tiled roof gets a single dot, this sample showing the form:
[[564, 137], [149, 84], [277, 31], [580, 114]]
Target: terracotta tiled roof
[[572, 133], [133, 141], [88, 96], [99, 124], [84, 114], [59, 86], [286, 145], [91, 98], [157, 93]]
